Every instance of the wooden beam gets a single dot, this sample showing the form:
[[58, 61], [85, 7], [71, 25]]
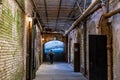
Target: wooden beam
[[38, 15], [45, 4], [79, 8], [58, 13], [73, 8]]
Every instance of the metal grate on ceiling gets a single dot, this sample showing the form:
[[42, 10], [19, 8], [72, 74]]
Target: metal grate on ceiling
[[58, 15]]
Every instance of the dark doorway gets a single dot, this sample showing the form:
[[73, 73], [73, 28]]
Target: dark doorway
[[69, 54], [76, 57], [97, 57], [57, 48]]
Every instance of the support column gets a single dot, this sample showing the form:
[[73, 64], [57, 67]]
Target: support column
[[105, 29]]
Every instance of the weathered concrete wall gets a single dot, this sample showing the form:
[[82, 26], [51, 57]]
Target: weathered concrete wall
[[116, 40], [82, 49], [93, 28], [116, 47]]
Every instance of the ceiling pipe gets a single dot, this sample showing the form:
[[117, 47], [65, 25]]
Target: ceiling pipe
[[108, 15], [40, 25], [85, 13], [34, 3], [18, 5], [38, 14]]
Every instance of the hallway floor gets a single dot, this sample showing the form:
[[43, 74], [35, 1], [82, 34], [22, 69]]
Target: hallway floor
[[57, 71]]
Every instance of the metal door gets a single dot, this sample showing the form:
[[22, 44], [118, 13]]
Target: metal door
[[97, 57]]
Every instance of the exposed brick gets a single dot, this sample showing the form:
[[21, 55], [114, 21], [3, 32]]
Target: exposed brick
[[11, 49]]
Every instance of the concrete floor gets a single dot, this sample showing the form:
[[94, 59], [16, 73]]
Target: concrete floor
[[57, 71]]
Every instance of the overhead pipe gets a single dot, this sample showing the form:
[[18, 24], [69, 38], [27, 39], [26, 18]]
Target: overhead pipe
[[85, 13], [19, 6], [94, 9], [38, 14], [34, 3], [40, 25], [107, 15]]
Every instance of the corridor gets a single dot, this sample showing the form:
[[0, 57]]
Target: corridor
[[84, 34], [58, 71]]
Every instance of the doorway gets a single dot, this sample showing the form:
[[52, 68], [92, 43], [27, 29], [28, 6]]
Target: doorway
[[97, 57], [58, 48]]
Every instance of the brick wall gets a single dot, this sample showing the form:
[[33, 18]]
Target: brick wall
[[28, 11], [37, 47], [11, 49], [73, 39]]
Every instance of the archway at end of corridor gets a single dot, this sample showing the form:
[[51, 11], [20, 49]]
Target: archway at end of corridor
[[58, 48]]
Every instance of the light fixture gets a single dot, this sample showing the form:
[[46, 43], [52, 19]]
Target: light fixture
[[43, 39], [30, 19]]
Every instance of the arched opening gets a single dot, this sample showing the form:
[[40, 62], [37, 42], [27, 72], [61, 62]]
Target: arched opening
[[58, 48]]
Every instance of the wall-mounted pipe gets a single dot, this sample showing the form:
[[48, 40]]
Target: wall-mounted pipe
[[19, 6], [94, 9], [34, 3], [86, 12], [40, 25], [38, 14], [107, 15]]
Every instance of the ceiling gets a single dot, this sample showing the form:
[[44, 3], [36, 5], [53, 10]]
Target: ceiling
[[58, 15]]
